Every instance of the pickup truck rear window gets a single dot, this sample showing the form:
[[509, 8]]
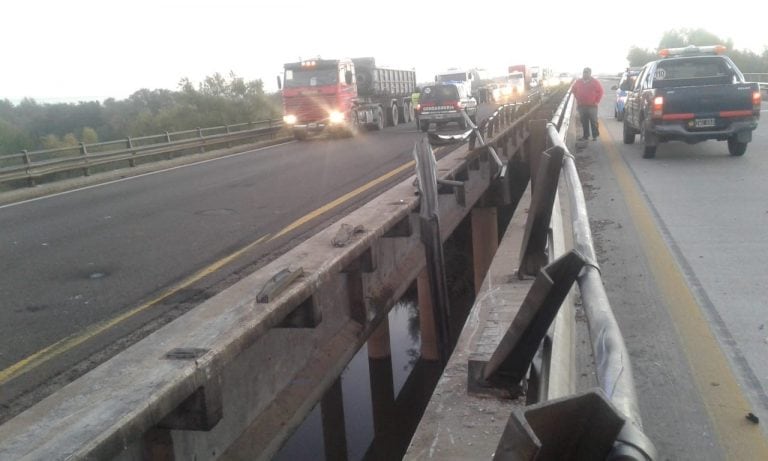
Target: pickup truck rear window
[[439, 93], [692, 71]]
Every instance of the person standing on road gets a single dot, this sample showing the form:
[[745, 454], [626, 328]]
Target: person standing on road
[[588, 92], [415, 98]]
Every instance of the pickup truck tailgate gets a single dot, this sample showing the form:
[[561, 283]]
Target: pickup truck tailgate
[[708, 100]]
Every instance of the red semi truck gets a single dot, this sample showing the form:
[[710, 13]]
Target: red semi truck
[[341, 95]]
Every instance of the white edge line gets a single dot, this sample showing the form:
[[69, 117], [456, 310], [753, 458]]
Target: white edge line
[[141, 175]]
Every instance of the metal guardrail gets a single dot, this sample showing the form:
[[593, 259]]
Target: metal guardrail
[[30, 166], [258, 368], [614, 370]]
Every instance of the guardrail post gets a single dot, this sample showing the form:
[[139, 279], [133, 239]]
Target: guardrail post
[[537, 142], [84, 152], [168, 140], [429, 219], [200, 135], [129, 145], [382, 398], [533, 255], [229, 144], [28, 163]]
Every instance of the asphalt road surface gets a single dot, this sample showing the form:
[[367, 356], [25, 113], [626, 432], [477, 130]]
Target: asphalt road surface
[[84, 268], [683, 245]]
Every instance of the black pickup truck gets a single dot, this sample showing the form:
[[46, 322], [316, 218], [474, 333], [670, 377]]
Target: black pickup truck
[[692, 94]]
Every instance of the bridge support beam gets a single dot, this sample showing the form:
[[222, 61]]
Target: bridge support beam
[[378, 342], [427, 319], [332, 414], [485, 242]]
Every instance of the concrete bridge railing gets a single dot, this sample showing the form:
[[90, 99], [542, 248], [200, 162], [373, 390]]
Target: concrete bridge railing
[[236, 375]]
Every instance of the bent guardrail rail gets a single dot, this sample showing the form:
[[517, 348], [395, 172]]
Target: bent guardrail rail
[[236, 375], [30, 166], [614, 370], [514, 317]]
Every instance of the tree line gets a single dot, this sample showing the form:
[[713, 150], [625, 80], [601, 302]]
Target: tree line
[[747, 61], [217, 100]]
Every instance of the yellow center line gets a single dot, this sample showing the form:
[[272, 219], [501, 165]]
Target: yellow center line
[[329, 206], [725, 403], [67, 344]]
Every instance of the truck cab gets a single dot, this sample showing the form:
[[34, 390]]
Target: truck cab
[[461, 78], [319, 94]]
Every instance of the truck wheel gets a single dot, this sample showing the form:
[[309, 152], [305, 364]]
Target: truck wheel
[[406, 117], [619, 115], [629, 134], [394, 115], [424, 125], [379, 120], [736, 148]]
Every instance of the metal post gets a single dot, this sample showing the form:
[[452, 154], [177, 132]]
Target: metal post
[[485, 241], [168, 140], [426, 170], [28, 162], [200, 135], [426, 319], [537, 142], [84, 152], [129, 144], [332, 414]]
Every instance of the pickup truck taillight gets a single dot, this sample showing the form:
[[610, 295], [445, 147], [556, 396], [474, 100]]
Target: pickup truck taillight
[[756, 100], [657, 111]]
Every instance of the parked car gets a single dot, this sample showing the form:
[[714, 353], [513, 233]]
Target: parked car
[[444, 103], [625, 84], [692, 94]]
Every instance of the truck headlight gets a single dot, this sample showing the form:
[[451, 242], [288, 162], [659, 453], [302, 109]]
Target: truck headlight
[[336, 117], [289, 119]]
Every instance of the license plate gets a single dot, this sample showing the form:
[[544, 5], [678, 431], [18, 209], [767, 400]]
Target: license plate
[[704, 122]]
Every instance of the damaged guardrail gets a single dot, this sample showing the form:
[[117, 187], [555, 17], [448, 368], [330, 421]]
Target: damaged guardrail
[[510, 351], [31, 166]]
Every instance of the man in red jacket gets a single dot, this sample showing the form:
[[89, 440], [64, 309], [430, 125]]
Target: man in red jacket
[[588, 92]]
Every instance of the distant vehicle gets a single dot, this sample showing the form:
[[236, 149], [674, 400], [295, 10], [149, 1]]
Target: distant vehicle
[[565, 78], [445, 103], [343, 94], [513, 89], [692, 94], [625, 84], [463, 79], [525, 70]]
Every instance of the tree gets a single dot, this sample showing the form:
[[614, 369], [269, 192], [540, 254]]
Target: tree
[[639, 57], [89, 135]]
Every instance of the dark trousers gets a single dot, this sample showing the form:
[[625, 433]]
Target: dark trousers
[[589, 119]]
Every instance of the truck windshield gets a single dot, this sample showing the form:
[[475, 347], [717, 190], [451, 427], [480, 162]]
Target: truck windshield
[[459, 77], [310, 77]]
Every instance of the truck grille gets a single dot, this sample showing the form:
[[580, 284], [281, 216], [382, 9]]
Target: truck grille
[[310, 108]]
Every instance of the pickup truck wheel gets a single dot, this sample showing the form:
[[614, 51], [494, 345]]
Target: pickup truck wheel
[[395, 115], [629, 134], [649, 151], [649, 139], [424, 125], [736, 148]]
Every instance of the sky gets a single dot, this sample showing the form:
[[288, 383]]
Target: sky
[[57, 51]]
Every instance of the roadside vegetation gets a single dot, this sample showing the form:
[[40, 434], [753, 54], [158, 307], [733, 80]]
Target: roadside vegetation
[[747, 61], [217, 101]]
